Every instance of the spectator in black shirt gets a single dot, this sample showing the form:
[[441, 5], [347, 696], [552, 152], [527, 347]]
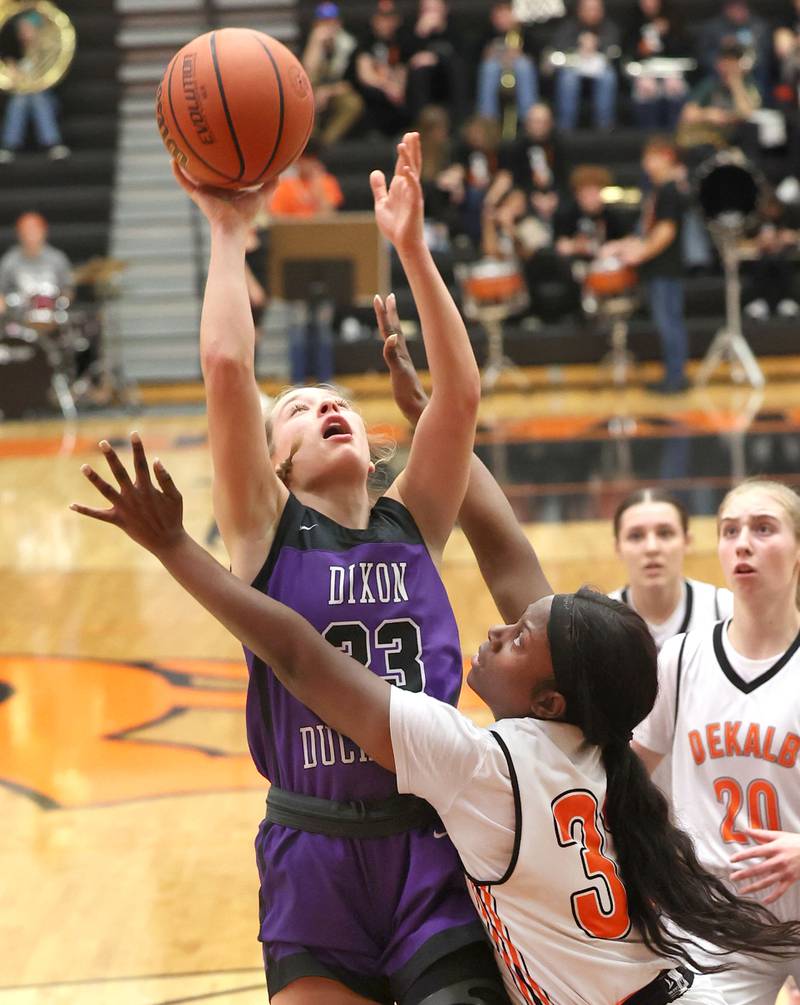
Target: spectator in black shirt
[[590, 41], [435, 69], [503, 50], [586, 223], [772, 273], [655, 33], [737, 23], [657, 255], [380, 70], [467, 180]]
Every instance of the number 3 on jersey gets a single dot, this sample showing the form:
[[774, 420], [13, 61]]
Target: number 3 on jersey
[[600, 910], [398, 638]]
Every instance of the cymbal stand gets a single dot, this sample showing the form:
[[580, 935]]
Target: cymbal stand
[[729, 344]]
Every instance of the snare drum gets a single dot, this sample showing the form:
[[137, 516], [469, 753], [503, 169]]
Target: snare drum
[[609, 277], [42, 310], [494, 282]]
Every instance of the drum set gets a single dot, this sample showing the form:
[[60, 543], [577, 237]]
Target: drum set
[[729, 192], [43, 323]]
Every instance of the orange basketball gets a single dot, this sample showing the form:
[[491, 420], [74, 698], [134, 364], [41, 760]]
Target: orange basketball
[[234, 108]]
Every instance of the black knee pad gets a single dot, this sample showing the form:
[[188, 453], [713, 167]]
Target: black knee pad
[[474, 991]]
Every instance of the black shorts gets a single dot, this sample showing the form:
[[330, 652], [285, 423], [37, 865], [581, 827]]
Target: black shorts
[[410, 986]]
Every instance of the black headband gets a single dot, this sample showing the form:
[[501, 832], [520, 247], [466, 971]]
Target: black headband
[[560, 638]]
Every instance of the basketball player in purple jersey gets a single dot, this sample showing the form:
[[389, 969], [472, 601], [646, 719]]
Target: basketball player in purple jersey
[[362, 896]]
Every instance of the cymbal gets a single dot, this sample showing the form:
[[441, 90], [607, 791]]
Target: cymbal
[[98, 270]]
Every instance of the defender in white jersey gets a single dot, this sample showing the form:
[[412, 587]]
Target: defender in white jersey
[[578, 873], [728, 712], [651, 538]]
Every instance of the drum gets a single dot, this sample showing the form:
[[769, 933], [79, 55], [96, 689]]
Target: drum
[[609, 277], [494, 281], [729, 189], [43, 309]]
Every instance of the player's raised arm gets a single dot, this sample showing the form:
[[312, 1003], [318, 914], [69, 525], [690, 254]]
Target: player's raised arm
[[507, 560], [248, 496], [330, 683], [433, 484]]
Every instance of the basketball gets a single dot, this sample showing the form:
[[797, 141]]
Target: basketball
[[234, 108]]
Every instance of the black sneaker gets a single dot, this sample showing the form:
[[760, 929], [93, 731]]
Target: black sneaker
[[669, 386]]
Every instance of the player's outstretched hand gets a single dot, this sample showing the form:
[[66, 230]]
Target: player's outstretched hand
[[406, 388], [224, 207], [151, 518], [779, 868], [399, 209]]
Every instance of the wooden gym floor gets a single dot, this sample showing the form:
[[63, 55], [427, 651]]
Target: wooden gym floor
[[129, 800]]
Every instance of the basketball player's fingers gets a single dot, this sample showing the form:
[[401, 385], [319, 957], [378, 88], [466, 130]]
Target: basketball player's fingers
[[763, 884], [777, 893], [164, 479], [760, 835], [140, 465], [377, 182], [106, 515], [102, 486], [185, 182], [752, 872], [117, 467], [412, 141], [391, 312], [380, 315]]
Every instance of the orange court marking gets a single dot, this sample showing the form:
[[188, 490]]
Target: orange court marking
[[73, 732]]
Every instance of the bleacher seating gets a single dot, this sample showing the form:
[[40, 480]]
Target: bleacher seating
[[74, 194], [571, 340]]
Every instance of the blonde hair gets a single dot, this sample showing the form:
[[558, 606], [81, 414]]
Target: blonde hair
[[786, 498], [382, 447]]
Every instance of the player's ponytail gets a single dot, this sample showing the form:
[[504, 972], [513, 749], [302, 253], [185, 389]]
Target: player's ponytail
[[605, 665]]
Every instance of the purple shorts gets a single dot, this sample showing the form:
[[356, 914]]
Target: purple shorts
[[380, 908]]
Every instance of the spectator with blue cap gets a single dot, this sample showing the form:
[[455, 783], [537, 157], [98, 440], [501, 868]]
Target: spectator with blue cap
[[326, 58]]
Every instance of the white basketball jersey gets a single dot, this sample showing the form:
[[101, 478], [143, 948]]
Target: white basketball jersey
[[702, 604], [558, 918], [734, 741]]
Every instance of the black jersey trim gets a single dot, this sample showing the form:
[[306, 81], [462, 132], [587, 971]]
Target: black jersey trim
[[512, 774], [678, 677], [687, 617], [689, 605], [747, 687], [338, 538], [291, 512]]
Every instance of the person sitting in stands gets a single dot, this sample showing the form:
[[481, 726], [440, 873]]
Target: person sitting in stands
[[737, 23], [504, 50], [40, 106], [436, 72], [657, 33], [717, 112], [773, 271], [307, 189], [379, 70], [589, 40], [326, 58], [467, 180]]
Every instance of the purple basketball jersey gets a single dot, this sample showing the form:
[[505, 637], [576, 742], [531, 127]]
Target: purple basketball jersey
[[377, 595]]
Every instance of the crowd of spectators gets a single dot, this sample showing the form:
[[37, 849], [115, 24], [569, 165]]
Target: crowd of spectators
[[494, 107]]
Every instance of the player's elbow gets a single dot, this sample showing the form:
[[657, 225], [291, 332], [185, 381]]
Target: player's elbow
[[225, 368]]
